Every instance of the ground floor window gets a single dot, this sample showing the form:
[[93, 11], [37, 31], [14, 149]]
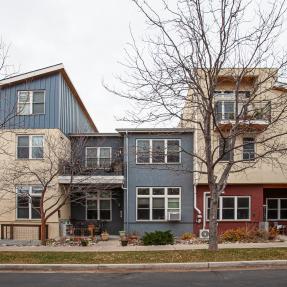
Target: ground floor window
[[231, 208], [277, 208], [99, 205], [28, 202], [158, 203]]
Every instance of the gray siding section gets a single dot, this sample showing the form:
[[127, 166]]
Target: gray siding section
[[78, 212], [71, 117], [115, 142], [179, 175], [8, 104]]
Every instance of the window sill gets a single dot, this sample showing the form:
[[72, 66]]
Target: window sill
[[160, 163]]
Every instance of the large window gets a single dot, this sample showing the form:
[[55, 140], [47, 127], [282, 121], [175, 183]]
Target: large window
[[98, 157], [157, 151], [99, 205], [31, 102], [248, 149], [30, 147], [277, 208], [156, 203], [28, 202], [231, 208], [225, 149]]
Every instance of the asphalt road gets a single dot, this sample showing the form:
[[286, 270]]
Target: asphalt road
[[245, 278]]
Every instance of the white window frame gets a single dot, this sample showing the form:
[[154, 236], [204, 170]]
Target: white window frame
[[98, 156], [30, 194], [235, 207], [223, 109], [97, 196], [165, 150], [31, 97], [278, 211], [151, 196], [30, 146]]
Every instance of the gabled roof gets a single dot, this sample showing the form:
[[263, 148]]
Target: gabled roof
[[59, 68]]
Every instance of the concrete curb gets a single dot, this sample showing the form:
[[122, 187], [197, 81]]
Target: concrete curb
[[142, 267]]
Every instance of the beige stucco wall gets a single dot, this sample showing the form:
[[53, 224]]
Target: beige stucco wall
[[272, 169], [55, 145]]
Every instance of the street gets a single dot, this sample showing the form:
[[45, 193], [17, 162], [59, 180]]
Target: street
[[253, 278]]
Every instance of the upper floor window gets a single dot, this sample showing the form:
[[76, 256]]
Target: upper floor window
[[30, 147], [28, 202], [225, 149], [31, 102], [248, 149], [98, 157], [158, 151]]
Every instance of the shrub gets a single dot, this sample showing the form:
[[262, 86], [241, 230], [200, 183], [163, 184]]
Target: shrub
[[158, 238], [248, 235], [187, 236]]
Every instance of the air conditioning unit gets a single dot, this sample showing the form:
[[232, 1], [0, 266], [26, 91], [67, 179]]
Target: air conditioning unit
[[204, 233], [173, 216]]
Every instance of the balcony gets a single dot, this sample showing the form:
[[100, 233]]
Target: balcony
[[253, 116], [107, 172]]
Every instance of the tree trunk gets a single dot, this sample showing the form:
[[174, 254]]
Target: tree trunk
[[43, 231], [213, 232]]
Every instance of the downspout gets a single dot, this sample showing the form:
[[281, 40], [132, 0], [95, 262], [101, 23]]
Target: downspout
[[195, 177], [127, 181]]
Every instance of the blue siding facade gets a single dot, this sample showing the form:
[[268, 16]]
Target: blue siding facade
[[149, 175], [9, 98], [71, 116], [62, 109]]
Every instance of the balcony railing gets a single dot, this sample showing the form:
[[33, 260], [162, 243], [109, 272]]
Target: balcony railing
[[252, 113], [92, 167]]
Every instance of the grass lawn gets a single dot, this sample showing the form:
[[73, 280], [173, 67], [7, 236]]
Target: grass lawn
[[143, 256]]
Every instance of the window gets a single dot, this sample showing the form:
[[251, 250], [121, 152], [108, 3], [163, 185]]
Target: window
[[98, 157], [248, 149], [224, 149], [231, 208], [225, 110], [157, 151], [276, 208], [99, 205], [154, 203], [30, 147], [31, 102], [28, 202]]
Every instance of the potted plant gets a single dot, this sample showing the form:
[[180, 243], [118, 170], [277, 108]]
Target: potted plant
[[105, 236], [124, 241], [84, 242], [122, 233]]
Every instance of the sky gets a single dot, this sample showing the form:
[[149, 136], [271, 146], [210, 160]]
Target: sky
[[88, 37]]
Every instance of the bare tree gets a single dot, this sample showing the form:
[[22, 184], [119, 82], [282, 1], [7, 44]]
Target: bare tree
[[43, 176], [193, 48]]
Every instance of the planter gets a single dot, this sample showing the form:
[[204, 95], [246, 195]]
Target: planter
[[124, 242], [122, 233], [105, 236]]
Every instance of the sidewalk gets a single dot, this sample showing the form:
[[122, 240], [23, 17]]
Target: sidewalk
[[114, 245]]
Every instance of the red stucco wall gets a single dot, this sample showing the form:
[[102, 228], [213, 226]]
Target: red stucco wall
[[257, 200]]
